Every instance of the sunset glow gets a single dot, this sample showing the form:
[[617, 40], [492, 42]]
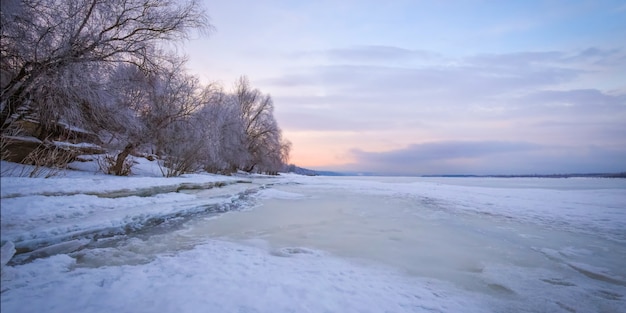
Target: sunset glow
[[504, 87]]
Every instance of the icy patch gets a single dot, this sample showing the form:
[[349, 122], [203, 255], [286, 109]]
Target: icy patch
[[60, 248], [295, 251], [278, 194], [597, 273], [6, 253], [226, 277], [562, 292], [590, 206]]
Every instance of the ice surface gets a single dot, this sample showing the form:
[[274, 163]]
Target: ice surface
[[6, 253], [590, 205], [226, 277], [523, 246], [278, 194], [313, 244]]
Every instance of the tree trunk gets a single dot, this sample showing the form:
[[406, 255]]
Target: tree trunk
[[250, 168], [118, 167]]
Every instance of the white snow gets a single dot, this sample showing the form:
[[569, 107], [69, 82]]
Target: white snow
[[100, 184], [314, 244], [33, 220], [225, 277], [75, 145], [43, 211], [6, 253], [23, 138], [278, 194], [590, 205]]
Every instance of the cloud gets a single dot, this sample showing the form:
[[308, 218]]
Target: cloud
[[588, 98], [499, 72], [479, 88], [327, 119], [494, 73], [517, 59], [449, 150], [596, 56], [488, 157], [374, 79], [385, 96], [577, 58], [507, 113]]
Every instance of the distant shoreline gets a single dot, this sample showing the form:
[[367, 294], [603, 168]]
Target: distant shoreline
[[588, 175], [591, 175], [309, 172]]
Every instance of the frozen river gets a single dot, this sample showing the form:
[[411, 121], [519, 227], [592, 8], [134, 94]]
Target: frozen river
[[347, 244], [529, 244]]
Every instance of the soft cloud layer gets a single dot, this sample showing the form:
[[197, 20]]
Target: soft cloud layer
[[504, 87], [489, 157], [475, 92]]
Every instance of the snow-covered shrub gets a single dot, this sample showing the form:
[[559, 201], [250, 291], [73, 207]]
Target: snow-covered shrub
[[47, 161], [107, 162], [4, 151]]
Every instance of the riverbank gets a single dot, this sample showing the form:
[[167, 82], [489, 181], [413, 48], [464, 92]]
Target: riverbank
[[97, 243]]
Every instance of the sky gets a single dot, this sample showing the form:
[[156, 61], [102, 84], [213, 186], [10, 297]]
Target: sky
[[431, 87]]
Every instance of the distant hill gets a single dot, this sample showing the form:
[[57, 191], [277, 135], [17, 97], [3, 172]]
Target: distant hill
[[291, 168]]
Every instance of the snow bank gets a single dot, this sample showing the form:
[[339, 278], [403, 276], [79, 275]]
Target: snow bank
[[37, 212], [32, 222], [104, 185], [225, 277]]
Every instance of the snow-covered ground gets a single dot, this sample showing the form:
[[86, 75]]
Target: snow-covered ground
[[39, 212], [205, 243]]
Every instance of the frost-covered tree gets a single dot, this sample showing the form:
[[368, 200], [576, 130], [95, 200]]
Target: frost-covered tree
[[155, 107], [239, 131], [262, 136], [101, 65], [47, 47], [222, 130]]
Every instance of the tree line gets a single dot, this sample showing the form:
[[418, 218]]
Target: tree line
[[107, 66]]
